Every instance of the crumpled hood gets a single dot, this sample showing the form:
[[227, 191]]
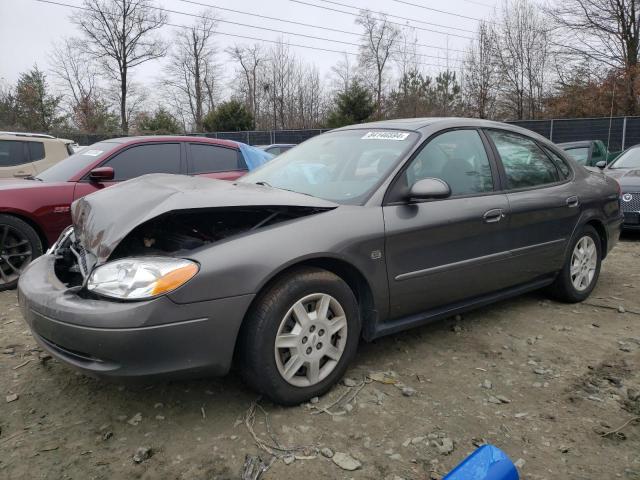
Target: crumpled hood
[[103, 219], [626, 177]]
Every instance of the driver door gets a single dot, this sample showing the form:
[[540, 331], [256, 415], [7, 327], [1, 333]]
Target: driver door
[[135, 161], [443, 251]]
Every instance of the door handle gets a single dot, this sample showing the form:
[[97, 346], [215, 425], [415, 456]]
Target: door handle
[[573, 201], [493, 216]]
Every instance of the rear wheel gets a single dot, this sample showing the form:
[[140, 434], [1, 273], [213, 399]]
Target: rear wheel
[[300, 336], [19, 244], [579, 276]]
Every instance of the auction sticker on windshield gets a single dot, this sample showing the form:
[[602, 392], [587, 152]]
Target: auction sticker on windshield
[[385, 136], [92, 153]]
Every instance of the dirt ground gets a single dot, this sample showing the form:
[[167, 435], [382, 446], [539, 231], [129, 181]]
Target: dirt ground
[[543, 381]]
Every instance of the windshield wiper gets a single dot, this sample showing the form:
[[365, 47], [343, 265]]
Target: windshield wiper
[[31, 177], [264, 184]]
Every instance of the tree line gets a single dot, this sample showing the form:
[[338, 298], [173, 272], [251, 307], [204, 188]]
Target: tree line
[[570, 58]]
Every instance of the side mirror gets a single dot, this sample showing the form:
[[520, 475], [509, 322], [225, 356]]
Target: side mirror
[[601, 164], [101, 174], [428, 188]]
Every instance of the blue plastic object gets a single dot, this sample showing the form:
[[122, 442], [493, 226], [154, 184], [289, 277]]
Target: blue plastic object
[[254, 157], [486, 463]]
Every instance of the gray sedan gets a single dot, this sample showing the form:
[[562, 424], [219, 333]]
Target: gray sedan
[[626, 170], [358, 233]]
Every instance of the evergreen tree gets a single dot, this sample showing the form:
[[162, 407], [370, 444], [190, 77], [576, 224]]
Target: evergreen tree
[[355, 105]]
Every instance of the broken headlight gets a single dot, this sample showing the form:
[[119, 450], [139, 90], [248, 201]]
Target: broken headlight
[[141, 278]]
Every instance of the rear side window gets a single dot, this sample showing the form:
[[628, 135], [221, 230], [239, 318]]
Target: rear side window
[[144, 159], [36, 150], [211, 159], [12, 153], [564, 169], [525, 164], [458, 157]]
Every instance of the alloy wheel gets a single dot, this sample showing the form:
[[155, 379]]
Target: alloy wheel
[[15, 253], [311, 340], [584, 262]]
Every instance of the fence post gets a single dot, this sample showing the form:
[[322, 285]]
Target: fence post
[[551, 131], [624, 131], [248, 138]]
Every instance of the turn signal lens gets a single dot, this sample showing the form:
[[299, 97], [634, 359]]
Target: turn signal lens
[[174, 279]]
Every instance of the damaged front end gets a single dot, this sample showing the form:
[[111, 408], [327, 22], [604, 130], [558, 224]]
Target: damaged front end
[[161, 225], [174, 234]]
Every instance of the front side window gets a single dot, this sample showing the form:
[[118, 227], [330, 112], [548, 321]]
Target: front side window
[[12, 153], [210, 159], [580, 155], [343, 166], [144, 159], [525, 164], [459, 158]]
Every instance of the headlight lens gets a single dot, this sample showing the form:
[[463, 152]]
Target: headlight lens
[[140, 278]]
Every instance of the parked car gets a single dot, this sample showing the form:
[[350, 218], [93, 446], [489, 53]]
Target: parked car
[[363, 231], [277, 148], [626, 170], [34, 211], [588, 152], [27, 154]]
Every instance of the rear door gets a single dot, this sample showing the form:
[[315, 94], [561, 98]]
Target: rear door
[[443, 251], [215, 161], [543, 202], [135, 161]]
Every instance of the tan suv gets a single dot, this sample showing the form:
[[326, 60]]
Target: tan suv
[[24, 154]]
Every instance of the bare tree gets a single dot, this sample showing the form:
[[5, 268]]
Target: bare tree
[[343, 75], [523, 54], [480, 73], [78, 76], [378, 44], [120, 35], [251, 59], [607, 31], [190, 73]]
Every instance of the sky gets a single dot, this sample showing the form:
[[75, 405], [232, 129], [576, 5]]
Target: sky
[[30, 28]]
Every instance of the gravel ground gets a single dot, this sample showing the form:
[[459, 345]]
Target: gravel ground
[[544, 381]]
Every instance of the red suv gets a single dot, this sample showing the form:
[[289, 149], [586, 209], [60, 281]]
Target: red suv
[[34, 211]]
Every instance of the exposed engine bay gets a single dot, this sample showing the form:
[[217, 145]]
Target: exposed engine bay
[[174, 233]]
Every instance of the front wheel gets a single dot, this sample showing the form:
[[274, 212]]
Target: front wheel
[[19, 244], [300, 336], [579, 276]]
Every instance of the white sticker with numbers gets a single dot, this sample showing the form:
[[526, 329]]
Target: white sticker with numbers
[[92, 153], [385, 136]]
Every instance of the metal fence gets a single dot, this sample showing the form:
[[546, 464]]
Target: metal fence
[[616, 132]]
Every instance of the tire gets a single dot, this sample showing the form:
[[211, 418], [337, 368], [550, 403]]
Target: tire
[[277, 312], [19, 245], [565, 288]]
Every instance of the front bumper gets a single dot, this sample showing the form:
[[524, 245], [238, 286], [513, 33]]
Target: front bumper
[[154, 338]]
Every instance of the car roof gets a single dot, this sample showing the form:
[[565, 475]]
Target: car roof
[[433, 123], [31, 137], [171, 138], [581, 143]]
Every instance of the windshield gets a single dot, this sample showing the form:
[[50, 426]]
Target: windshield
[[70, 166], [580, 155], [629, 159], [341, 166]]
